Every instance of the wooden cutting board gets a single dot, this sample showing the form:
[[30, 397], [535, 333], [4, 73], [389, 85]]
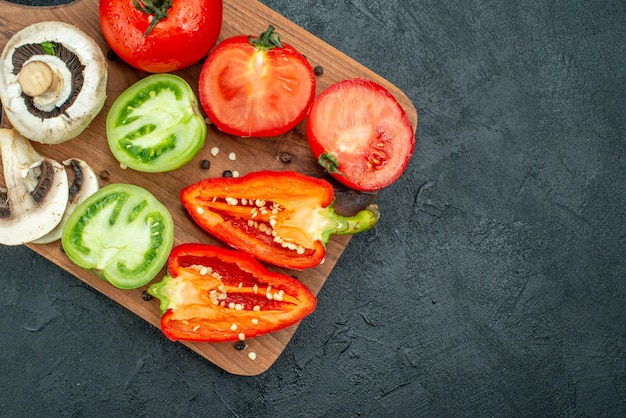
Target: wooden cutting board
[[252, 154]]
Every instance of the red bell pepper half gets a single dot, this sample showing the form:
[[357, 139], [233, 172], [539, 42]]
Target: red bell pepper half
[[214, 294], [284, 218]]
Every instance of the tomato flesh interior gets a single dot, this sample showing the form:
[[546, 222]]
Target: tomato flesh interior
[[122, 233], [156, 124], [361, 125], [251, 92]]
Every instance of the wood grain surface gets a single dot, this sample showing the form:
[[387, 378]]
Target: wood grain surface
[[252, 154]]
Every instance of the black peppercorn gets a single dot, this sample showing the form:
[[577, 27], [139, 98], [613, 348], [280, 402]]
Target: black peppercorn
[[227, 173], [240, 345], [318, 70], [146, 296], [104, 175], [285, 157], [205, 164]]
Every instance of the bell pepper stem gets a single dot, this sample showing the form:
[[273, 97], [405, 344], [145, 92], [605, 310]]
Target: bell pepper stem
[[362, 221]]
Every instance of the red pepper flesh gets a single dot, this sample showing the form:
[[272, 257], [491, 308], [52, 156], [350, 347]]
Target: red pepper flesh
[[215, 294], [284, 218]]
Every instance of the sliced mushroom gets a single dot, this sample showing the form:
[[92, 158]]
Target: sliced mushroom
[[52, 81], [84, 184], [36, 193]]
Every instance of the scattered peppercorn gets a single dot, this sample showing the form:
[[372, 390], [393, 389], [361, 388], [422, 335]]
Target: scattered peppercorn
[[318, 70], [111, 55], [285, 157], [146, 296], [104, 175], [227, 173], [205, 164], [240, 345]]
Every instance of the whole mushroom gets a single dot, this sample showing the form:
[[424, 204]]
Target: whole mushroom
[[52, 81]]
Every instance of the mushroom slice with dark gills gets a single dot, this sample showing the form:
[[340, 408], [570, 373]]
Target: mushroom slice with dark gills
[[36, 193], [84, 183], [52, 81]]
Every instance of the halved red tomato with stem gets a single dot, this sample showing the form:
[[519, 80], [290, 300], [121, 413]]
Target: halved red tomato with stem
[[256, 86], [360, 134]]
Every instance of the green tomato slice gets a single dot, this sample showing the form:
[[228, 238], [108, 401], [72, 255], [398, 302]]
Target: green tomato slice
[[122, 233], [156, 124]]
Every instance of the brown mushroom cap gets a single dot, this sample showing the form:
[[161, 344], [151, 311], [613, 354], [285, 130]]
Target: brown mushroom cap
[[52, 81]]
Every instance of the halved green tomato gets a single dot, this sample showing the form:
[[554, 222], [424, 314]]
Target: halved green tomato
[[122, 233], [156, 124]]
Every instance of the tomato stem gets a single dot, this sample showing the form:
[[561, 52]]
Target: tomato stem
[[267, 40], [157, 8], [329, 162]]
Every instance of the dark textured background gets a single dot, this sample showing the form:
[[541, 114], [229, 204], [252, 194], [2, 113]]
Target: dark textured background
[[494, 284]]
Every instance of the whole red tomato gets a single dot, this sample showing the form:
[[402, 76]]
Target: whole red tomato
[[183, 35]]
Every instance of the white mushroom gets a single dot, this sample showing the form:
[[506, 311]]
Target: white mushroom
[[36, 193], [84, 184], [52, 81]]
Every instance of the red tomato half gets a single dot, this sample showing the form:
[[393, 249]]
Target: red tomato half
[[261, 90], [179, 40], [360, 134]]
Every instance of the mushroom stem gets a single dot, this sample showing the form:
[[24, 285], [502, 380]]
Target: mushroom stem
[[38, 79]]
